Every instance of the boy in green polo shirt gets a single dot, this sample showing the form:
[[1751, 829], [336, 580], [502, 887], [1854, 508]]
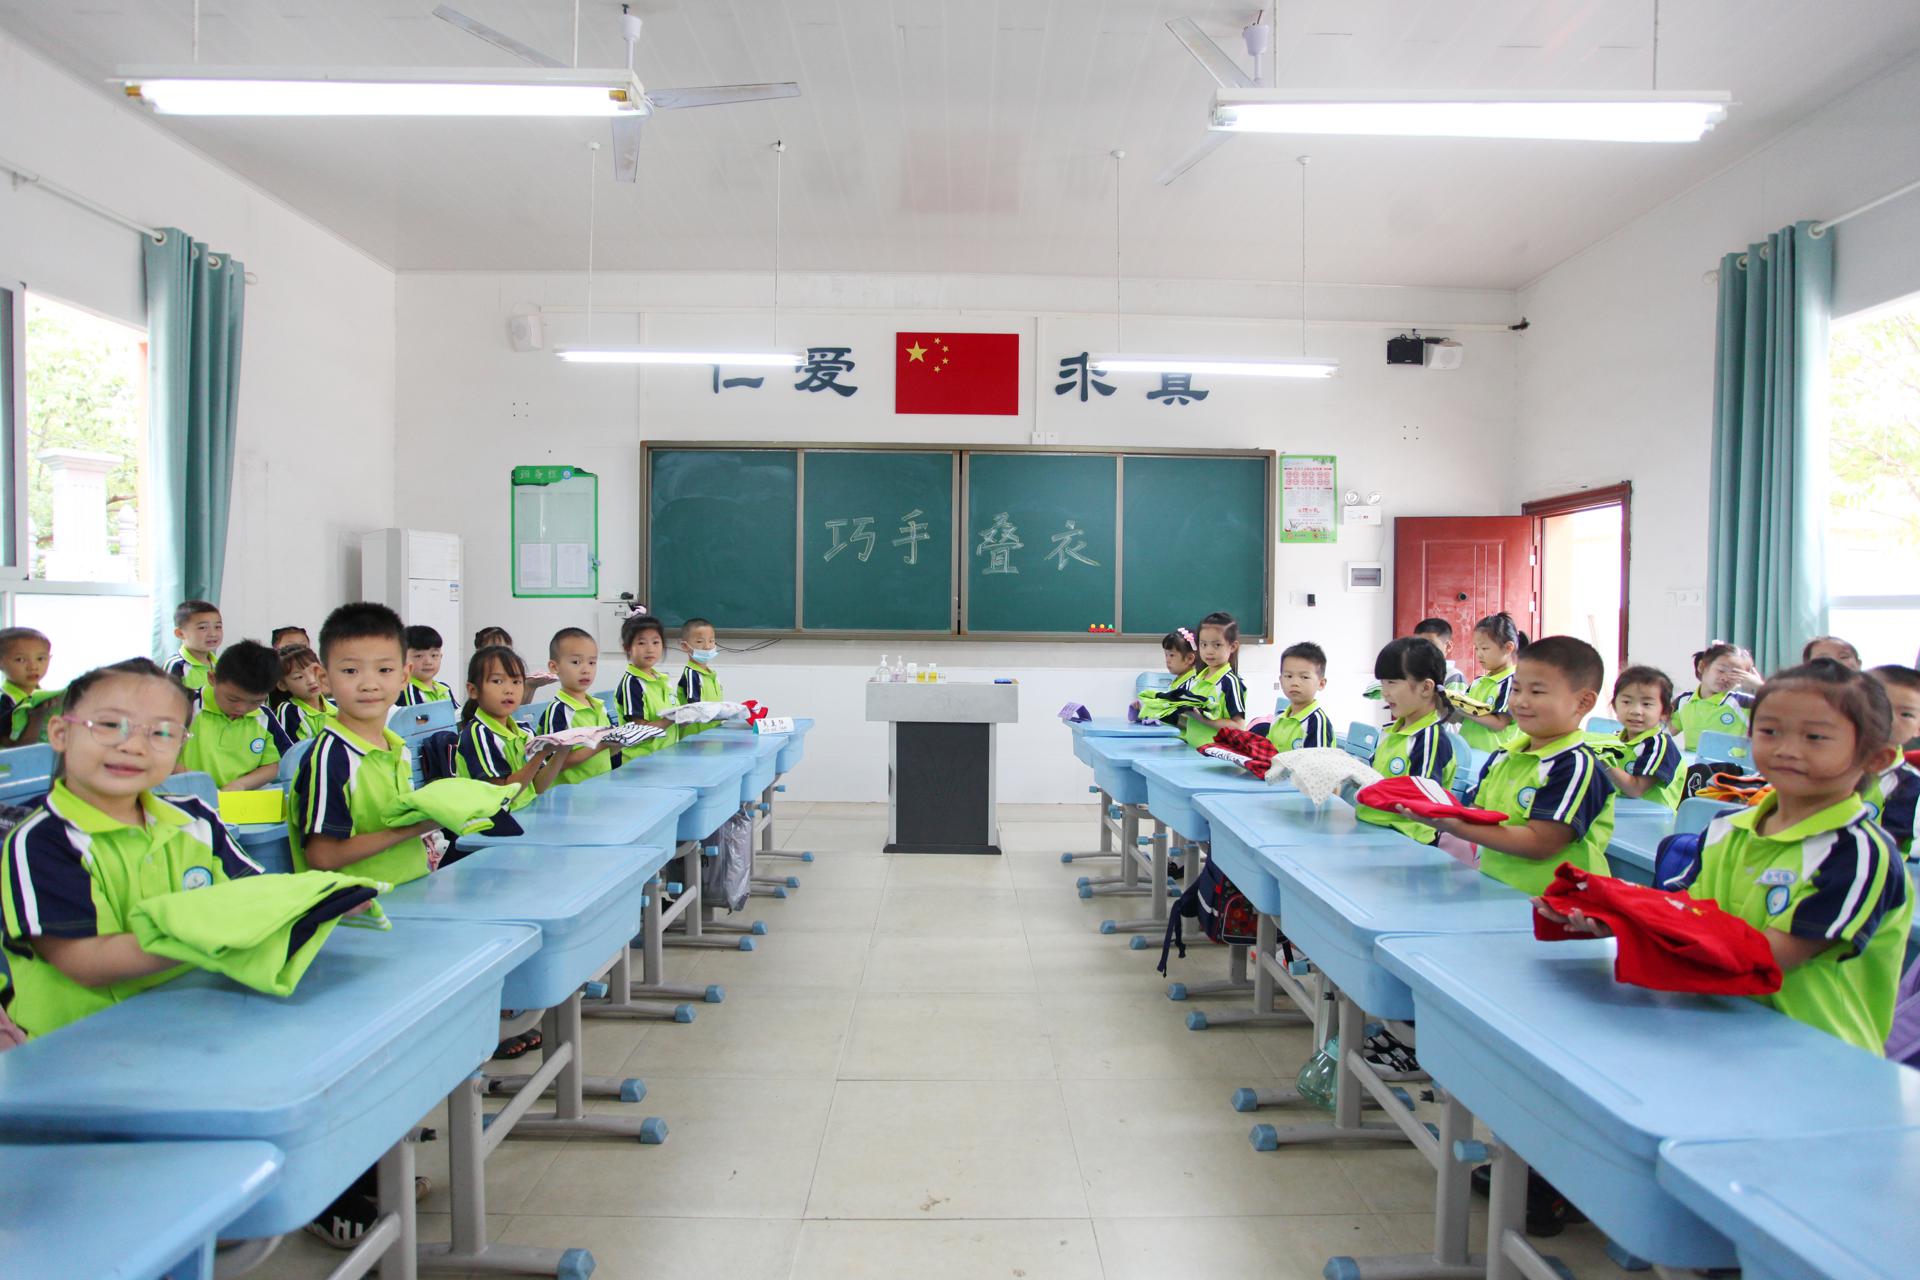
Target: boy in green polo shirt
[[24, 705], [424, 647], [574, 657], [1304, 723], [197, 625], [698, 683], [645, 692], [1550, 784], [358, 769], [100, 844], [232, 737]]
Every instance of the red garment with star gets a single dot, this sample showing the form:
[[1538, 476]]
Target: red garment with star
[[977, 373], [1668, 941]]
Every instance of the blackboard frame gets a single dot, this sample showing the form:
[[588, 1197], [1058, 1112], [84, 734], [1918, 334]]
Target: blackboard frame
[[962, 454]]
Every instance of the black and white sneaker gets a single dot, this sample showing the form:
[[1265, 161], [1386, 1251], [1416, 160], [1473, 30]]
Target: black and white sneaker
[[1390, 1058], [345, 1221]]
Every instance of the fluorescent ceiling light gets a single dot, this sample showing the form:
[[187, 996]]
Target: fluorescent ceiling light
[[1284, 367], [634, 355], [385, 91], [1591, 117]]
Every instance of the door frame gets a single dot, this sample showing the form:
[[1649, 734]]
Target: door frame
[[1620, 495]]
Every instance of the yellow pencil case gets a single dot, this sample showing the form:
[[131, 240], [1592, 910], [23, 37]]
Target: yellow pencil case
[[241, 807]]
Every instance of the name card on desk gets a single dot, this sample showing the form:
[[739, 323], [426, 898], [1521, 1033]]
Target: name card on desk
[[773, 724]]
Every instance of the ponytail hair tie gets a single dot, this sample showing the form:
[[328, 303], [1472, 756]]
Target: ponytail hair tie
[[1187, 635]]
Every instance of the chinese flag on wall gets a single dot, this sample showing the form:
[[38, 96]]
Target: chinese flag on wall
[[956, 373]]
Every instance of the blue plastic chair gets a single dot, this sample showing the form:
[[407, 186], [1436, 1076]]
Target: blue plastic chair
[[290, 762], [1695, 814], [1725, 746], [198, 785], [26, 773], [415, 723], [1361, 740], [1602, 724], [607, 696], [1151, 680]]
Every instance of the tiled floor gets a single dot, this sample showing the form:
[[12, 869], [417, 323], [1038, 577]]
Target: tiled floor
[[936, 1067]]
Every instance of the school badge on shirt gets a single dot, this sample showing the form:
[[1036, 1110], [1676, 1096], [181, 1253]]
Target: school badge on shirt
[[195, 878]]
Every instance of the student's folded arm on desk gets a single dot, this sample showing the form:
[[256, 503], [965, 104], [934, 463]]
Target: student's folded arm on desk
[[335, 853], [101, 960], [1630, 785]]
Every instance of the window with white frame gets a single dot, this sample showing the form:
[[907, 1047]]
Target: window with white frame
[[77, 431], [1873, 517]]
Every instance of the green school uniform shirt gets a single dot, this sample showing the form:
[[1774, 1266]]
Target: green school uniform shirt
[[645, 695], [1560, 781], [1226, 695], [1834, 876], [346, 787], [17, 704], [492, 749], [698, 684], [1653, 754], [227, 748], [568, 712], [1417, 748], [418, 692], [1701, 712], [71, 871], [1893, 801], [1298, 730], [261, 931], [190, 671], [300, 721], [1495, 689]]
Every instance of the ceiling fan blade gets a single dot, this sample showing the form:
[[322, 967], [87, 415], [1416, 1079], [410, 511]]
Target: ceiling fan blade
[[1224, 70], [1210, 142], [626, 147], [498, 39], [714, 95]]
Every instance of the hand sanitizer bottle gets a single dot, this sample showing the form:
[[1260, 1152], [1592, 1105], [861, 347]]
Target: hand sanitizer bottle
[[881, 673]]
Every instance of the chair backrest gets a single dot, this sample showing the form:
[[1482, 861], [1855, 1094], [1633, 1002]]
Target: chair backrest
[[530, 714], [1602, 724], [290, 762], [1725, 746], [1362, 738], [1152, 680], [198, 785], [415, 723], [607, 696], [26, 773], [1694, 813]]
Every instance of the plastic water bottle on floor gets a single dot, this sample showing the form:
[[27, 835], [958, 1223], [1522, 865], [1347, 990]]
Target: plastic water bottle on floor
[[1318, 1078]]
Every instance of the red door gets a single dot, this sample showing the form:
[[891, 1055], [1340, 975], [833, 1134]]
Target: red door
[[1463, 568]]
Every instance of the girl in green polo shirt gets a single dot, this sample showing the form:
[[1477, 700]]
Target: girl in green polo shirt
[[1412, 673], [1643, 761], [1497, 642], [100, 844], [297, 702], [1720, 705], [493, 745], [1807, 866], [1217, 679]]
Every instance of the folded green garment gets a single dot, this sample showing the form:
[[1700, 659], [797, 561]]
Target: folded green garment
[[461, 805], [1165, 704], [261, 931]]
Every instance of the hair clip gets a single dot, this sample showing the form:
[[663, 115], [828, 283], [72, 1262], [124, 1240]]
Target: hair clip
[[1186, 635]]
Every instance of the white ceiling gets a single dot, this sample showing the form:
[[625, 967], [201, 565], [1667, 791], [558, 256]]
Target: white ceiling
[[974, 135]]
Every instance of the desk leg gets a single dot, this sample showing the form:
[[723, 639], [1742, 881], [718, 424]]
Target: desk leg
[[1350, 1095], [1268, 977], [560, 1028], [691, 909], [1156, 888], [1126, 883], [766, 829], [395, 1178], [625, 997], [1104, 821]]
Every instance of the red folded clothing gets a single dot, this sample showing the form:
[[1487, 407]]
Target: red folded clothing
[[1424, 798], [1246, 742], [1255, 765], [1668, 941]]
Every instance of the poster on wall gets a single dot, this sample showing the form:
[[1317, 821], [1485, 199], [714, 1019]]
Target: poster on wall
[[1309, 503]]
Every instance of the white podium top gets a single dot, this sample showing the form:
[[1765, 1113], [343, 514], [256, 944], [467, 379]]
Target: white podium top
[[944, 702]]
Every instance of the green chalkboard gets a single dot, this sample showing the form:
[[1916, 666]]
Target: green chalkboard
[[720, 541], [878, 541], [1040, 546], [1195, 542]]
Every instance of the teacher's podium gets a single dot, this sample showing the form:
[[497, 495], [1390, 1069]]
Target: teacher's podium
[[940, 762]]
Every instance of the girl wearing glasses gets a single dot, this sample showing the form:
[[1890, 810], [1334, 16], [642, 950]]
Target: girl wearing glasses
[[99, 844]]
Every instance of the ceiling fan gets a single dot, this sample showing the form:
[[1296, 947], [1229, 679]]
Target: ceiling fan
[[627, 125], [1226, 74]]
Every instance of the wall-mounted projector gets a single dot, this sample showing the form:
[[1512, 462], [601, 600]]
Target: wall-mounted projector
[[1432, 353]]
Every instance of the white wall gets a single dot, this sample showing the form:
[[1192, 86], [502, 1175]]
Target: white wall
[[469, 409], [316, 388], [1616, 379]]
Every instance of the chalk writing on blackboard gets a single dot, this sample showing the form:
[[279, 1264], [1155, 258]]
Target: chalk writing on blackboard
[[999, 541], [913, 533], [1069, 545], [842, 540]]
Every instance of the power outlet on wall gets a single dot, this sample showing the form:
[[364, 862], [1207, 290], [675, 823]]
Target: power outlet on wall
[[1689, 596], [1046, 437]]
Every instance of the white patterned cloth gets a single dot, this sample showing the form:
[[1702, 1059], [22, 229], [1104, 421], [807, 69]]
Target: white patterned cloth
[[706, 712], [1321, 772]]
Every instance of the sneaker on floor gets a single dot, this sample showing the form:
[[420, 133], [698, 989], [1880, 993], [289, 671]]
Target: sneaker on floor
[[345, 1221], [1390, 1058]]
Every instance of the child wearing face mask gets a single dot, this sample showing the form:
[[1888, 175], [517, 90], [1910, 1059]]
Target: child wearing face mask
[[698, 683]]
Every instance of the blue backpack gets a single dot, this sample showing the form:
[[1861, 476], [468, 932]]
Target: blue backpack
[[438, 752], [1225, 915]]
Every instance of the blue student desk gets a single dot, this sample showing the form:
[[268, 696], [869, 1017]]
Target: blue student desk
[[1584, 1077], [1637, 833], [1123, 803], [1839, 1205], [382, 1027], [713, 777], [584, 902], [1173, 781], [125, 1210], [793, 745], [1113, 727], [761, 755], [1245, 823], [590, 813]]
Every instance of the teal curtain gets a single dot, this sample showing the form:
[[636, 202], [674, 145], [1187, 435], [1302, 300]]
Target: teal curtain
[[1766, 583], [196, 300]]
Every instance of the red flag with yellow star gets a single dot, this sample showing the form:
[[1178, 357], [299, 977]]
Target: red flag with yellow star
[[956, 373]]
